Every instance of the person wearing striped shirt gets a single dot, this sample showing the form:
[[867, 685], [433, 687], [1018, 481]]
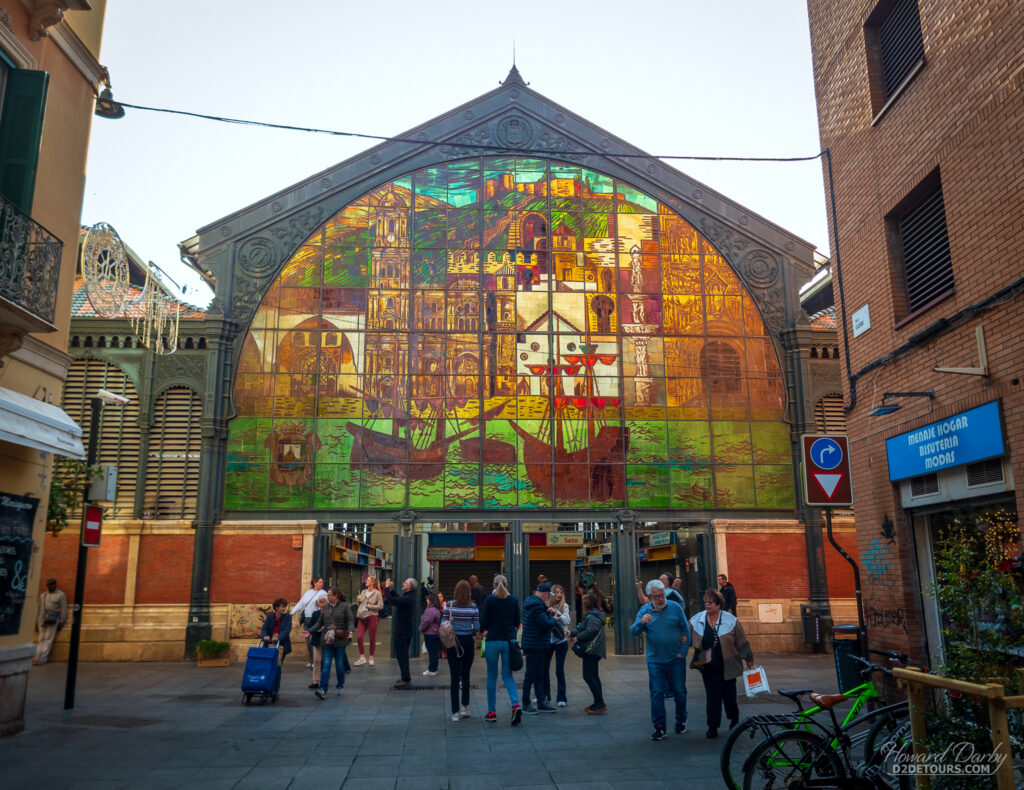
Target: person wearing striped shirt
[[465, 620]]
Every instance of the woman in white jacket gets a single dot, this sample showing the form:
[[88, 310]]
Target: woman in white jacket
[[369, 603], [559, 645]]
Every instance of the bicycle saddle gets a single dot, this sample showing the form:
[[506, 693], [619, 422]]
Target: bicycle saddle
[[828, 701], [794, 694]]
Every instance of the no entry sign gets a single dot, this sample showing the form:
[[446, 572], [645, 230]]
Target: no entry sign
[[827, 481], [92, 525]]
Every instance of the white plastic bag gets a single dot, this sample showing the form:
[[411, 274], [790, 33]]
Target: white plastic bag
[[755, 681]]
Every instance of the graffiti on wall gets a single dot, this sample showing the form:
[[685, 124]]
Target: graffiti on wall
[[885, 618], [877, 560]]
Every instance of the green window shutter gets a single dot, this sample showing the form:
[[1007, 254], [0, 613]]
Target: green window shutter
[[21, 129]]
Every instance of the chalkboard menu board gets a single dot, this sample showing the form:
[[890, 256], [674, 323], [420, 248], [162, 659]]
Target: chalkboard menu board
[[16, 516]]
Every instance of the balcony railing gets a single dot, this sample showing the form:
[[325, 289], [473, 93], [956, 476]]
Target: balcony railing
[[29, 264]]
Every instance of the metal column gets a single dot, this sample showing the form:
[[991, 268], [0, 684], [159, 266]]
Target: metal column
[[625, 567], [517, 561], [407, 554]]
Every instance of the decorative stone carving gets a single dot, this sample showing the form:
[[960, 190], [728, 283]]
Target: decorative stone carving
[[183, 368], [722, 237], [760, 268], [467, 143], [245, 299], [47, 13], [258, 257], [11, 338], [292, 232], [514, 131]]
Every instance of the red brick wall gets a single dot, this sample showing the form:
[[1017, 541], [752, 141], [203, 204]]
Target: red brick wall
[[838, 570], [254, 568], [165, 569], [962, 115], [764, 565], [105, 573]]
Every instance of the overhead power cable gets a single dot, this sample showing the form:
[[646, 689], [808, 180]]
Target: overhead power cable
[[465, 144]]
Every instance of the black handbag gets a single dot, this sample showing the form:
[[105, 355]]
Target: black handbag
[[580, 649], [515, 656]]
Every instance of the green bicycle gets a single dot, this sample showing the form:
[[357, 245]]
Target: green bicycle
[[750, 732]]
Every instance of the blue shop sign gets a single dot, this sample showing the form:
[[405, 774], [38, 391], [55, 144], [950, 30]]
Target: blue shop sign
[[964, 438]]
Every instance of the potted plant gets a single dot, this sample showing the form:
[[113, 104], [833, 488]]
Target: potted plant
[[212, 653]]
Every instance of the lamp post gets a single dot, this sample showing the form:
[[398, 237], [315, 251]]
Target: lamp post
[[96, 407]]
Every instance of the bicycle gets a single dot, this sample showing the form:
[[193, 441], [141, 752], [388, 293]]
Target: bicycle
[[750, 732], [804, 759]]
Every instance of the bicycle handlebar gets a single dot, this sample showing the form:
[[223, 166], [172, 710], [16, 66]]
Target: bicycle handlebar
[[892, 655]]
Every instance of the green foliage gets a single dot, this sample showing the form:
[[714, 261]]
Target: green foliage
[[211, 648], [979, 577], [69, 478]]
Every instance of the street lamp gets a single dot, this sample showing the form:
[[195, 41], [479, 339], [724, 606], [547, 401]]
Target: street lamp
[[96, 407]]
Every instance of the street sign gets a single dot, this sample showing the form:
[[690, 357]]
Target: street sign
[[92, 525], [827, 480]]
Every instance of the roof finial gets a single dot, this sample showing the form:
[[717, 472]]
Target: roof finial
[[514, 77], [513, 50]]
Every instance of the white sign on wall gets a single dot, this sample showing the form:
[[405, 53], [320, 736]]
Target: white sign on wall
[[861, 321]]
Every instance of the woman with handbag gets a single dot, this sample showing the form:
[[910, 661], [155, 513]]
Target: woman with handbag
[[314, 641], [430, 622], [500, 623], [463, 618], [369, 602], [559, 645], [721, 648], [336, 626], [589, 645]]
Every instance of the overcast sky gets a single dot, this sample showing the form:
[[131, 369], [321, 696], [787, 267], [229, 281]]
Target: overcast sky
[[722, 78]]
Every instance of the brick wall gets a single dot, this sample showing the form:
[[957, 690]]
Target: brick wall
[[254, 568], [105, 572], [165, 569], [962, 114], [784, 577]]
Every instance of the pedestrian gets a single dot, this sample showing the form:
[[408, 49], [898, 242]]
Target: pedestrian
[[51, 615], [672, 593], [369, 603], [590, 634], [668, 638], [404, 612], [499, 621], [559, 646], [314, 641], [721, 648], [429, 624], [538, 622], [541, 578], [581, 590], [307, 609], [602, 602], [277, 627], [336, 616], [479, 593], [728, 594], [465, 619]]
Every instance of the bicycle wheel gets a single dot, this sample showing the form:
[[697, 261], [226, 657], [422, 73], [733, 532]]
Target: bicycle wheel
[[890, 740], [788, 760], [737, 748]]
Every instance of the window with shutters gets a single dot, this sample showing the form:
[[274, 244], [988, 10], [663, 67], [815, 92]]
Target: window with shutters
[[919, 249], [172, 466], [828, 414], [119, 426], [895, 48], [21, 130]]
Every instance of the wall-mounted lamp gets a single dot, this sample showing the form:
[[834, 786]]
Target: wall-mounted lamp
[[888, 405], [106, 107]]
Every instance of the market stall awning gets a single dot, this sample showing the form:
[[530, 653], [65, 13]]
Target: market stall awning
[[32, 423]]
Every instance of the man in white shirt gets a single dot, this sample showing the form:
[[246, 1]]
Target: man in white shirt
[[307, 605], [51, 614]]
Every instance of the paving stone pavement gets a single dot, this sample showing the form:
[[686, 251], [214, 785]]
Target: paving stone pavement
[[174, 725]]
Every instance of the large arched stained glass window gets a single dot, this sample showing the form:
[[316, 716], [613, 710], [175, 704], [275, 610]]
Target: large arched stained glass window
[[502, 333]]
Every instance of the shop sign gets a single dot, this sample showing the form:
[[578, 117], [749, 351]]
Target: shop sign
[[435, 553], [641, 555], [661, 539], [606, 548], [16, 516], [565, 538], [581, 552], [964, 438]]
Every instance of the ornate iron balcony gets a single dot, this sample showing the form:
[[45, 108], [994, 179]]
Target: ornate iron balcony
[[29, 264]]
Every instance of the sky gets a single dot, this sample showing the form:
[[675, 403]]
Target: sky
[[671, 77]]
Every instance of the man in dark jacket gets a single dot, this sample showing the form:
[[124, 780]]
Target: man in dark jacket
[[477, 592], [538, 623], [728, 592], [404, 613]]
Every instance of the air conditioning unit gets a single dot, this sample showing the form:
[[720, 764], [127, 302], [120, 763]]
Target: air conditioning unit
[[983, 478]]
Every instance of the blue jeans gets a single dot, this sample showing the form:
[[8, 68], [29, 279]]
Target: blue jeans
[[491, 652], [433, 642], [669, 676], [332, 654]]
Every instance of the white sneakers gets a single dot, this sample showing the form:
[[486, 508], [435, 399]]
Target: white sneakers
[[464, 712], [370, 662], [562, 704], [455, 717], [361, 661], [428, 672]]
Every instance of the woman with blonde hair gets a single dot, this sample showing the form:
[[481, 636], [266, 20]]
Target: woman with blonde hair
[[465, 620], [314, 642], [500, 623], [559, 645], [370, 602]]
